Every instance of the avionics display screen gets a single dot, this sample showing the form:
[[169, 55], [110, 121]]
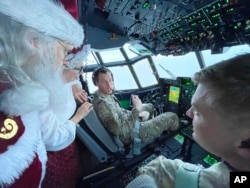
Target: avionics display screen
[[174, 94]]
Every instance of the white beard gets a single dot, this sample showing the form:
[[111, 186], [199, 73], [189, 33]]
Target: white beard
[[50, 77], [48, 89], [23, 99]]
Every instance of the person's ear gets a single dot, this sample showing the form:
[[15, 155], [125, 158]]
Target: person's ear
[[244, 148], [34, 43], [245, 143]]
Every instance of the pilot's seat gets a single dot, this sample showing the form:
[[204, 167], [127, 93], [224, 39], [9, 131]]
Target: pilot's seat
[[102, 144], [97, 139], [108, 150]]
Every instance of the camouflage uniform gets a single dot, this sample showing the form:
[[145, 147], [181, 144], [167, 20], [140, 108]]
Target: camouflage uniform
[[120, 122], [165, 173]]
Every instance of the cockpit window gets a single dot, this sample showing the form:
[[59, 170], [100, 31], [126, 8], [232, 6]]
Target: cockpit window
[[227, 52], [123, 78], [171, 66], [145, 73], [111, 55]]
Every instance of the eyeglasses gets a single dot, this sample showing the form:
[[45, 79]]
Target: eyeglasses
[[80, 69], [67, 55]]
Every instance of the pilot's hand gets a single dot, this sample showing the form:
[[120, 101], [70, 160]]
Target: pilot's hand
[[144, 115], [136, 101], [79, 94], [81, 112]]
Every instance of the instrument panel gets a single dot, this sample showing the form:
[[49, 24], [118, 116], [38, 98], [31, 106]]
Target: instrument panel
[[172, 27]]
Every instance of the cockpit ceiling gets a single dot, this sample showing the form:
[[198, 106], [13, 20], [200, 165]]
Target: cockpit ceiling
[[173, 27]]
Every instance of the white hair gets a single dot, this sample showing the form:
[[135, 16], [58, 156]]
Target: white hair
[[22, 63]]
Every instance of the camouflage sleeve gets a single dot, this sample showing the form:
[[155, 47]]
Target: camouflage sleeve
[[134, 113], [162, 170], [109, 117]]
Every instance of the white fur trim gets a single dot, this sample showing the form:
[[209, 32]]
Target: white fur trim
[[79, 56], [45, 16], [19, 156]]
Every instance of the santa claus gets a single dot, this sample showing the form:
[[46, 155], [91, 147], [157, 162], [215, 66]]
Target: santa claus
[[35, 37]]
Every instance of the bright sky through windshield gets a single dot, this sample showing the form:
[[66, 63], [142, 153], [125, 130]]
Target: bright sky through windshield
[[166, 66]]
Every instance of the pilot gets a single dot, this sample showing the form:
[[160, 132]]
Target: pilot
[[220, 111], [121, 122], [35, 38]]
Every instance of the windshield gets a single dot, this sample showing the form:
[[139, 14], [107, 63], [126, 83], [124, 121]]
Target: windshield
[[134, 71]]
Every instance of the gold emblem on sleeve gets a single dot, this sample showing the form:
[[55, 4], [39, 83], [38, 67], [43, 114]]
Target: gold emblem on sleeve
[[9, 130]]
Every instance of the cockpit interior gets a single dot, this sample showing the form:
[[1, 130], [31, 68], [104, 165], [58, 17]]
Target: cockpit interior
[[153, 47]]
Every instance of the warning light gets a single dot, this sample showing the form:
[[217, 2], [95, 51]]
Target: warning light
[[145, 5]]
